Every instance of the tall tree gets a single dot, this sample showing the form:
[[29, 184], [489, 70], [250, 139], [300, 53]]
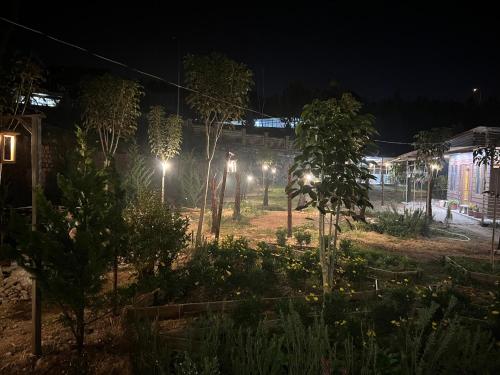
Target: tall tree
[[111, 108], [219, 92], [332, 137], [431, 146], [165, 137]]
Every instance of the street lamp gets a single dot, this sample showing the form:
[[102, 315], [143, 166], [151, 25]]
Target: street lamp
[[477, 91], [308, 178], [249, 178]]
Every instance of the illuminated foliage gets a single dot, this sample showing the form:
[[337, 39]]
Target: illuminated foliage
[[219, 92], [165, 133], [332, 137]]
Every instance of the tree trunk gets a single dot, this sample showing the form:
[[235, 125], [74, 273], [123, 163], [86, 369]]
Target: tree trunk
[[199, 231], [333, 254], [80, 329], [237, 197], [362, 210], [323, 257], [267, 182], [221, 198], [429, 198], [289, 210], [163, 186], [213, 203], [115, 283]]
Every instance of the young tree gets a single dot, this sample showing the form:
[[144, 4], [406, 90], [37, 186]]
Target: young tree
[[219, 92], [431, 146], [111, 108], [165, 137], [332, 137], [70, 251]]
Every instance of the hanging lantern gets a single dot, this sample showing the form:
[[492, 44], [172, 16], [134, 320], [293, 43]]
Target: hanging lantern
[[8, 147]]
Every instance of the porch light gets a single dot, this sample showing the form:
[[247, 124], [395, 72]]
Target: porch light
[[8, 147]]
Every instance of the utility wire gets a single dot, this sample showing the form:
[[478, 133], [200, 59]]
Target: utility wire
[[153, 76], [177, 85]]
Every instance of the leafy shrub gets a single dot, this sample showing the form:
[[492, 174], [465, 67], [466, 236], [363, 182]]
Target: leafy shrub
[[281, 236], [303, 269], [302, 236], [248, 313], [407, 224], [424, 344], [231, 268], [156, 235], [396, 304]]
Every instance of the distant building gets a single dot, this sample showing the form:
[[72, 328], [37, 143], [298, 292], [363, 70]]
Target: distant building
[[466, 180], [40, 99], [380, 167], [271, 122]]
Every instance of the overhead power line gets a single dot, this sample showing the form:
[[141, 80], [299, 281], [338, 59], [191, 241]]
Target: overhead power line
[[112, 61], [154, 76]]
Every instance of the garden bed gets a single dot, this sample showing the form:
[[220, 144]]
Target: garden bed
[[474, 269]]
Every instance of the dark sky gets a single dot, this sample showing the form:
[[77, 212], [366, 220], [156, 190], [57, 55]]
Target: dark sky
[[376, 50]]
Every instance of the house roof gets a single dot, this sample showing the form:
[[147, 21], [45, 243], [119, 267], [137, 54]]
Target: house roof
[[467, 141], [478, 136]]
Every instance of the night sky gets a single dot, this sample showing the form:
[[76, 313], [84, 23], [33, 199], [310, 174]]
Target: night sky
[[375, 50]]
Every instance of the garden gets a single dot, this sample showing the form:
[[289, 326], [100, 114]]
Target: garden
[[201, 273]]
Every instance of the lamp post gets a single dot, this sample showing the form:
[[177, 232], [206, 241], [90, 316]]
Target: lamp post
[[477, 91]]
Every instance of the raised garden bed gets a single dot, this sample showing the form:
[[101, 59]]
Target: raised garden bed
[[474, 269]]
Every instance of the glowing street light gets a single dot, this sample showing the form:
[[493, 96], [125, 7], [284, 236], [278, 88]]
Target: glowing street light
[[273, 170], [265, 167], [435, 166], [165, 166], [249, 178], [308, 177]]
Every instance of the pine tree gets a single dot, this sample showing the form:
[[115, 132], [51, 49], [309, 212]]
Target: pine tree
[[70, 250]]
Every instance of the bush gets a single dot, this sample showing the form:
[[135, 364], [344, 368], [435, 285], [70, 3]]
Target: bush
[[248, 313], [407, 224], [231, 268], [156, 235], [281, 236], [302, 236], [303, 269]]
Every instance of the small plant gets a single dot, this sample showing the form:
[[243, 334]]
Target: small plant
[[281, 236], [453, 204], [302, 236]]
